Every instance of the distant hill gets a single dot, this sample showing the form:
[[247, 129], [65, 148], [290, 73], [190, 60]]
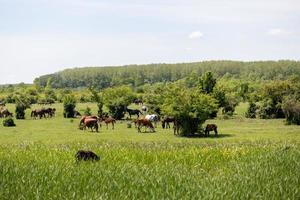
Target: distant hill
[[136, 75]]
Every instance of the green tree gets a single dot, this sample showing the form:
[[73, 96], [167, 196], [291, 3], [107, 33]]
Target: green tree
[[98, 99], [190, 108], [117, 99], [291, 109], [207, 82]]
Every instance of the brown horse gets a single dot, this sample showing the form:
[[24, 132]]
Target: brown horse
[[144, 123], [108, 120], [211, 127], [5, 113], [166, 121], [91, 123], [41, 113]]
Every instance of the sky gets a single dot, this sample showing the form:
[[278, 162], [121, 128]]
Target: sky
[[38, 37]]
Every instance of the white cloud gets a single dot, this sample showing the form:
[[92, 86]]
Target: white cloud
[[195, 35], [278, 32]]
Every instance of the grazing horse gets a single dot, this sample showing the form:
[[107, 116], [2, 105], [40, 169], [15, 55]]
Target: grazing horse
[[166, 121], [108, 120], [144, 123], [89, 122], [38, 113], [211, 127], [86, 156], [153, 118], [133, 112], [5, 113]]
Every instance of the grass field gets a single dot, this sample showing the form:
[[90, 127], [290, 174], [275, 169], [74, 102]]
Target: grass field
[[251, 159]]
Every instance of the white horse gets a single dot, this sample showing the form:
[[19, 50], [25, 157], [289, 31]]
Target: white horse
[[153, 118]]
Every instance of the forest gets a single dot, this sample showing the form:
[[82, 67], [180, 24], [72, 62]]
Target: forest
[[138, 75]]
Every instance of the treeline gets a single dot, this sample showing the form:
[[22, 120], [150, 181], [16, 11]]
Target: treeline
[[138, 75]]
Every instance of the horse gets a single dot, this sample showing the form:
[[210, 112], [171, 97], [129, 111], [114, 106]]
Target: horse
[[177, 126], [133, 112], [211, 127], [108, 120], [50, 112], [153, 118], [38, 113], [138, 101], [86, 155], [144, 123], [144, 109], [166, 121], [90, 122], [5, 113], [77, 114]]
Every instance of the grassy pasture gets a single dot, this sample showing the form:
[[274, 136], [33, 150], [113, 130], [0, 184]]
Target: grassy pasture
[[252, 159]]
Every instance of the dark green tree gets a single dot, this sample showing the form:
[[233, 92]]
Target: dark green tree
[[22, 103], [207, 82], [69, 103]]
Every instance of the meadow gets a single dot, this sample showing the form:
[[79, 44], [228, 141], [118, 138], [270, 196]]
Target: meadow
[[251, 159]]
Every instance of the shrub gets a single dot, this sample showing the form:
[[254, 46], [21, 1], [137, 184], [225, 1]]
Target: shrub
[[22, 103], [291, 109], [69, 103], [8, 122], [251, 111]]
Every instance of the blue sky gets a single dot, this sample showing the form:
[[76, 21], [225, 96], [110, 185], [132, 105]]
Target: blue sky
[[43, 36]]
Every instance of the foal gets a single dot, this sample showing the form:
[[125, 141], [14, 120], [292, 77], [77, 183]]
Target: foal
[[108, 120]]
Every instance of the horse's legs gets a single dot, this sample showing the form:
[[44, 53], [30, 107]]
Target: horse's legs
[[216, 132], [113, 125], [106, 125]]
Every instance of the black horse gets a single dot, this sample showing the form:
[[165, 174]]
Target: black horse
[[166, 121], [133, 112]]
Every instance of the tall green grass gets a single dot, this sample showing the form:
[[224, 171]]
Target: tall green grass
[[252, 159], [151, 171]]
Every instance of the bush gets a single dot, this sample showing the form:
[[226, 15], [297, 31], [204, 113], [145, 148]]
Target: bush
[[69, 103], [22, 103], [251, 111], [270, 110], [8, 122], [291, 109]]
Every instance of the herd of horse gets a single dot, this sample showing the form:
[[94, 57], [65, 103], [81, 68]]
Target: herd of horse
[[148, 122], [43, 113]]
